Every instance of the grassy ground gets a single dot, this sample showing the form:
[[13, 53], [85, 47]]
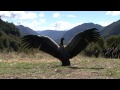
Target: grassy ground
[[44, 66]]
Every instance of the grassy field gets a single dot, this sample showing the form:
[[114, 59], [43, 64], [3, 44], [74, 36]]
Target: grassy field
[[44, 66]]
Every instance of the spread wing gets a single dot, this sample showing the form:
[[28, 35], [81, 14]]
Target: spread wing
[[43, 43], [81, 40]]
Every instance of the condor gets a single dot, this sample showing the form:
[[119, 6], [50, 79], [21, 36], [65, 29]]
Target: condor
[[64, 53]]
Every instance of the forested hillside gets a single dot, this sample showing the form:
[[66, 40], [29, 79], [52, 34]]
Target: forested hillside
[[9, 36], [26, 30], [112, 29], [80, 28]]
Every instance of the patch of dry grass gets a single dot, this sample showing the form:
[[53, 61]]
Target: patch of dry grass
[[43, 66], [23, 57]]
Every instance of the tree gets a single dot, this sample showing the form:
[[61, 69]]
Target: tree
[[9, 36], [91, 48], [112, 41]]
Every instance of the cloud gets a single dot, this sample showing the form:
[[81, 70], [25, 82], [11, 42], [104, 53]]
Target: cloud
[[56, 15], [113, 13], [60, 25], [24, 15], [42, 20], [33, 24], [73, 16], [37, 25], [5, 14], [104, 23], [18, 14], [42, 15]]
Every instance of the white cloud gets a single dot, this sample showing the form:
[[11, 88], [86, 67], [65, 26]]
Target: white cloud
[[29, 15], [73, 16], [42, 20], [5, 14], [113, 13], [60, 25], [5, 19], [29, 19], [24, 15], [104, 23], [18, 14], [56, 15], [37, 25], [33, 24], [42, 15]]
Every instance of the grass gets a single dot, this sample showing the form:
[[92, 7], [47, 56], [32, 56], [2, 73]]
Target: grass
[[43, 66]]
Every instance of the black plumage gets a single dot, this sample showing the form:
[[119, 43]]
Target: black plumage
[[78, 43]]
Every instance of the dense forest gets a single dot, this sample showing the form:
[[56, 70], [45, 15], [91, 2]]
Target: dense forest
[[9, 37], [103, 44]]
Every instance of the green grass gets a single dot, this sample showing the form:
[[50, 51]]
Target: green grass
[[44, 66]]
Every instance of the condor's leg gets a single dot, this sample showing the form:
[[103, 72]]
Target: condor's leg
[[66, 62]]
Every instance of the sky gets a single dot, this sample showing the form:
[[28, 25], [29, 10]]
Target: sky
[[58, 20]]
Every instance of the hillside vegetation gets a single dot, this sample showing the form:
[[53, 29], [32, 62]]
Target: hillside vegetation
[[9, 36], [26, 30], [111, 30]]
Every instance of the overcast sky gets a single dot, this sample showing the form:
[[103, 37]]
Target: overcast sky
[[58, 20]]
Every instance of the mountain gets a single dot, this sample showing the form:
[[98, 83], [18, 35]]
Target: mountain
[[80, 28], [55, 35], [112, 29], [26, 30], [9, 36]]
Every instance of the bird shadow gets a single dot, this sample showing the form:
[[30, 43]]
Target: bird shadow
[[95, 68], [76, 67]]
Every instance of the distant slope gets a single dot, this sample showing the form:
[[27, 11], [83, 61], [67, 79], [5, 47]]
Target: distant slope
[[26, 31], [68, 35], [55, 35], [80, 28], [112, 29], [9, 36]]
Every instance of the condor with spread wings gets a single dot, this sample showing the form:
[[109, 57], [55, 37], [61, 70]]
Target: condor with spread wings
[[78, 43]]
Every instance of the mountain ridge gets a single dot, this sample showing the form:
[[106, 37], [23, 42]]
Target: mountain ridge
[[111, 29], [26, 30], [69, 34]]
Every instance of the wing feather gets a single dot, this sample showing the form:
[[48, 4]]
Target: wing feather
[[43, 43], [80, 41]]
